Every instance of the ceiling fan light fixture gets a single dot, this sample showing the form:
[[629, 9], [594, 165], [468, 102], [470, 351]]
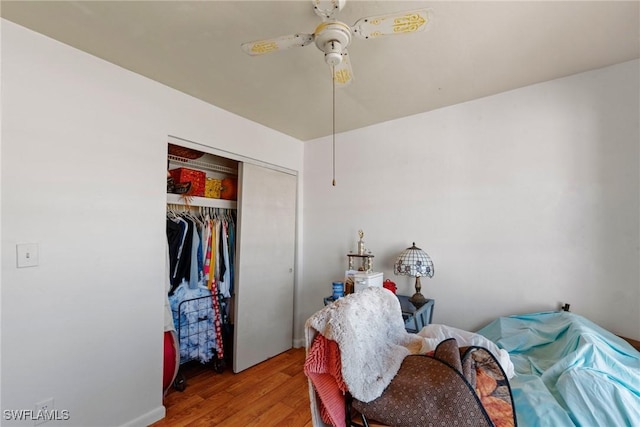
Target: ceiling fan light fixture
[[333, 53], [329, 32]]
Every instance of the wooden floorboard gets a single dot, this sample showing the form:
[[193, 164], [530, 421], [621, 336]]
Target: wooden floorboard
[[272, 393]]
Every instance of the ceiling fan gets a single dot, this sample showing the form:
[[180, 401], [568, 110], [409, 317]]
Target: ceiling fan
[[333, 37]]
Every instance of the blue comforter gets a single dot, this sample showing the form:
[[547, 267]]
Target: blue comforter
[[569, 371]]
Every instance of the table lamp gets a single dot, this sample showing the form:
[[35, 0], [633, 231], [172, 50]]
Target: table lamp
[[414, 262]]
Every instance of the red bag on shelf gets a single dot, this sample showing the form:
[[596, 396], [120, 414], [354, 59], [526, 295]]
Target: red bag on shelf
[[196, 178]]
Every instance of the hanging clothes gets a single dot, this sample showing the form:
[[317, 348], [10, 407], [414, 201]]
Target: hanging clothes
[[195, 271], [194, 319], [225, 274], [169, 325], [232, 254], [179, 238], [200, 252]]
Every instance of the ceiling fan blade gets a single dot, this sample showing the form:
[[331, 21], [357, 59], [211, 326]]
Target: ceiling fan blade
[[277, 44], [342, 73], [396, 23]]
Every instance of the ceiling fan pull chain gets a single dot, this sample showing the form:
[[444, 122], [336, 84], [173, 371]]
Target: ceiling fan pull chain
[[333, 83]]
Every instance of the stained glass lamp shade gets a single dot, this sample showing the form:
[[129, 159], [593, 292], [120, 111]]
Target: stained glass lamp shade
[[414, 262]]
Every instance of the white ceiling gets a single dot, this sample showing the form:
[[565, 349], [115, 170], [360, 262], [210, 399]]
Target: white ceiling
[[471, 49]]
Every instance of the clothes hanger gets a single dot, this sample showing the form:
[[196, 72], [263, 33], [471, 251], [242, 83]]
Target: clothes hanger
[[171, 213]]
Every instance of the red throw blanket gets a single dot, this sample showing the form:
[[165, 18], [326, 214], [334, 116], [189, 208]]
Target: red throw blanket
[[323, 367]]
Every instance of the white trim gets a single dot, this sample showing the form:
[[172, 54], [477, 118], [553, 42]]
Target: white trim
[[147, 419]]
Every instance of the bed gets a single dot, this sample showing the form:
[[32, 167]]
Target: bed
[[569, 371], [563, 370]]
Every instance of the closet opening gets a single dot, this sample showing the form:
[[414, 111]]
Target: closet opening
[[230, 267], [201, 229]]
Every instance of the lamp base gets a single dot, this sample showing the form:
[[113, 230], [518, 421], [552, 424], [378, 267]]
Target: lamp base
[[418, 300]]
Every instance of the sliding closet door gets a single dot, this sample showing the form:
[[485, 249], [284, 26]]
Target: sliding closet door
[[264, 272]]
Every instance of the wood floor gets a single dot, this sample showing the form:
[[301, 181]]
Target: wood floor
[[273, 393]]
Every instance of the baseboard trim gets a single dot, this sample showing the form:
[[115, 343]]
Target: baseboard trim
[[147, 419]]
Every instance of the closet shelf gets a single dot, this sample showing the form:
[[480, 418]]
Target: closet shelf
[[176, 199], [202, 164]]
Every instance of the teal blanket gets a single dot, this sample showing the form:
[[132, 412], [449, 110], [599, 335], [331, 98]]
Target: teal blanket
[[569, 371]]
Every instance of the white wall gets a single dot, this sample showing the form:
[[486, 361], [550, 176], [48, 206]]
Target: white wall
[[83, 175], [524, 200]]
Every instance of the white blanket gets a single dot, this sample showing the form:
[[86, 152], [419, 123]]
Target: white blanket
[[435, 334], [369, 330]]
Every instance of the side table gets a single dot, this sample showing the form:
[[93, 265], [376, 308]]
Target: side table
[[415, 318]]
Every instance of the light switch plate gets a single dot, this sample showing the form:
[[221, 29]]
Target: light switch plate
[[27, 254]]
